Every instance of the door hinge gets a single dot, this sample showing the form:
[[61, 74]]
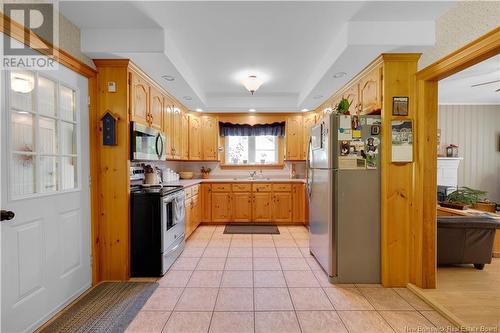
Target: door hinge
[[90, 181]]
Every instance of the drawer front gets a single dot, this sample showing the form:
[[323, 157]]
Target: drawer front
[[242, 187], [221, 187], [195, 189], [187, 203], [282, 187], [261, 187], [188, 192]]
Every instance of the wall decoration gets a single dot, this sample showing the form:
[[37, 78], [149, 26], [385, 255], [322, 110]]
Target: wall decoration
[[370, 153], [109, 129], [400, 106], [402, 141], [344, 148]]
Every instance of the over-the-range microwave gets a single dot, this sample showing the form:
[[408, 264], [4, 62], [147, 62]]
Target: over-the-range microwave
[[147, 143]]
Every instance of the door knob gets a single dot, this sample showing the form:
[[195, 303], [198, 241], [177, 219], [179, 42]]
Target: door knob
[[6, 215]]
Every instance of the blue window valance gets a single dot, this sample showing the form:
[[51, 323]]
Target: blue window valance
[[274, 129]]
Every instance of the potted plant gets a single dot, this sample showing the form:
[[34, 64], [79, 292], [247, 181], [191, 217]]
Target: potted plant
[[204, 172], [343, 106], [463, 197]]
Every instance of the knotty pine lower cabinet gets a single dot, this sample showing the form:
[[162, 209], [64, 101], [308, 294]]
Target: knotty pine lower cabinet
[[206, 202], [282, 207], [221, 206], [241, 207], [261, 207]]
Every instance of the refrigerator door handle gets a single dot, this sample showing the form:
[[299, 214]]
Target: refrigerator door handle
[[308, 167]]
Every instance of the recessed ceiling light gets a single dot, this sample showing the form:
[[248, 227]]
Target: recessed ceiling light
[[318, 96], [168, 77], [339, 74], [199, 110], [251, 110], [187, 98], [305, 110]]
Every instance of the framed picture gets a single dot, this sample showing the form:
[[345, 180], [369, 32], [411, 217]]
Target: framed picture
[[402, 141], [400, 106]]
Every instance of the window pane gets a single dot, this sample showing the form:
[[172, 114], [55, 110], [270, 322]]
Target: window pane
[[22, 131], [22, 179], [265, 142], [68, 172], [67, 103], [237, 150], [46, 96], [265, 149], [48, 174], [21, 87], [68, 139], [48, 136], [265, 156]]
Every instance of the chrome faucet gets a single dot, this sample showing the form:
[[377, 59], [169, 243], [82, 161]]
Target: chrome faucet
[[261, 175], [253, 174]]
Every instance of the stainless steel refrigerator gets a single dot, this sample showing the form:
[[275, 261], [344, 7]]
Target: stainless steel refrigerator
[[343, 186]]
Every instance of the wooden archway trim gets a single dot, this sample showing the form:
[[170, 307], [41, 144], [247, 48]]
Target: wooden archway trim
[[424, 230]]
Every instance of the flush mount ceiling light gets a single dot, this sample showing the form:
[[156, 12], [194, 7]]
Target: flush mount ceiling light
[[21, 84], [252, 83], [199, 110], [168, 77], [305, 110], [251, 110], [187, 98], [339, 75]]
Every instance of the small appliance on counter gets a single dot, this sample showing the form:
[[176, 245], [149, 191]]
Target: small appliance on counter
[[157, 229]]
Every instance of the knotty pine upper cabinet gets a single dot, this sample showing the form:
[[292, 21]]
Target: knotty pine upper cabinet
[[177, 135], [157, 108], [282, 207], [352, 95], [309, 121], [195, 138], [184, 136], [294, 138], [168, 129], [210, 138], [139, 95], [370, 92]]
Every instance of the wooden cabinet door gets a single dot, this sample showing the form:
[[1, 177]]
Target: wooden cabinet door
[[156, 111], [168, 128], [206, 203], [210, 135], [261, 207], [221, 206], [139, 104], [184, 136], [177, 137], [294, 138], [370, 97], [298, 203], [282, 207], [188, 217], [309, 121], [194, 138], [196, 211], [242, 206], [352, 95]]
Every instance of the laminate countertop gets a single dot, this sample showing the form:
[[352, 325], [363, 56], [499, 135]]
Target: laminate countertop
[[191, 182]]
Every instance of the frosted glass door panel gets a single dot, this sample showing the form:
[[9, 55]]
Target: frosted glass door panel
[[22, 180], [68, 138], [48, 136], [48, 174], [21, 92], [46, 96], [67, 103], [22, 131], [68, 171]]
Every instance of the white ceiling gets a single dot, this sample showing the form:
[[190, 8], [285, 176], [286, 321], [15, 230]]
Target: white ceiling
[[458, 88], [296, 46]]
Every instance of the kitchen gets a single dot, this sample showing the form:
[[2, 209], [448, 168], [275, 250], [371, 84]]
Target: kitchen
[[273, 183]]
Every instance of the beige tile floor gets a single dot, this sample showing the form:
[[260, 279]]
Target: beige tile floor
[[270, 283]]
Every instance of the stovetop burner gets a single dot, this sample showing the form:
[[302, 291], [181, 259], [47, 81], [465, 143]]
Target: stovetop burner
[[154, 189]]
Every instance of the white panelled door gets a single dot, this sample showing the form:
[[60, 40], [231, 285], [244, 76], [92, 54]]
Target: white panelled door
[[45, 182]]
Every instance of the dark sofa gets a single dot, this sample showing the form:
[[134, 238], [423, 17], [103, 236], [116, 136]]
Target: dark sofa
[[465, 240]]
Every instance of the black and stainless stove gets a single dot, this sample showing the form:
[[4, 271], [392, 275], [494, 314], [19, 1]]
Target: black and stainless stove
[[157, 228]]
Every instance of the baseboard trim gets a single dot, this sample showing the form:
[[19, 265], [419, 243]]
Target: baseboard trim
[[438, 307]]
